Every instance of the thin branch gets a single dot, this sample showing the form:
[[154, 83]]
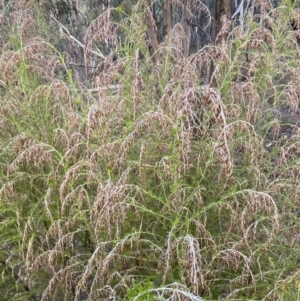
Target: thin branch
[[204, 31], [239, 10], [66, 31], [109, 87]]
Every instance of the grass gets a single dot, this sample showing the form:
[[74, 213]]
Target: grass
[[156, 187]]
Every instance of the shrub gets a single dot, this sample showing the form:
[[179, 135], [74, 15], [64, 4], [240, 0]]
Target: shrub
[[156, 186]]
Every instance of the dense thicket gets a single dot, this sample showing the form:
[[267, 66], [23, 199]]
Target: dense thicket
[[136, 166]]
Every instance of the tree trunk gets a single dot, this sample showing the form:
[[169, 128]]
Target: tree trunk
[[186, 15], [152, 31], [222, 21], [167, 17]]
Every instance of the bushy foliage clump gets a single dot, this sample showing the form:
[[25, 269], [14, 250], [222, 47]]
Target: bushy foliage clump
[[152, 183]]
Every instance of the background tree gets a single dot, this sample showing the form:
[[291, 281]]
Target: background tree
[[223, 13]]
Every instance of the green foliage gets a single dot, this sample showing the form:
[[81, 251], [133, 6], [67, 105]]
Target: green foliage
[[141, 292], [155, 186]]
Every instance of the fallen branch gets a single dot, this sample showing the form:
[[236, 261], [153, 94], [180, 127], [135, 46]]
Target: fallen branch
[[109, 87]]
